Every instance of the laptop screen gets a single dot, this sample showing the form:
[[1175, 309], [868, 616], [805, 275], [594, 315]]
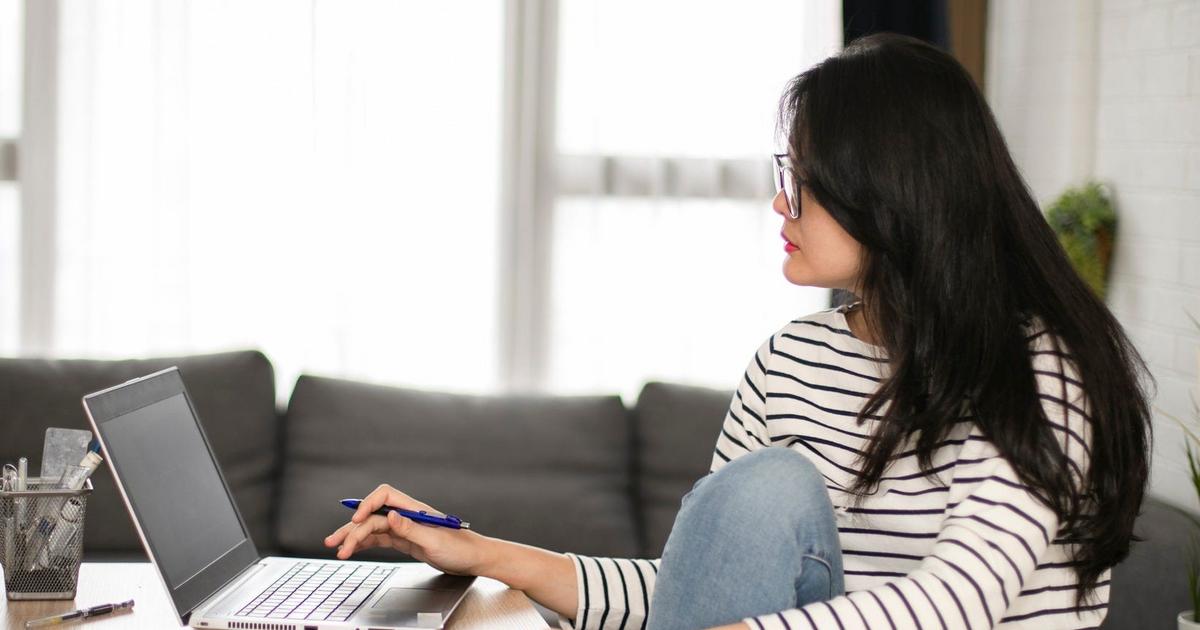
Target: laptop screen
[[176, 490], [173, 487]]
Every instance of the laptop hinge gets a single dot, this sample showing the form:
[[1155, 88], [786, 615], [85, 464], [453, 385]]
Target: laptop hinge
[[225, 590]]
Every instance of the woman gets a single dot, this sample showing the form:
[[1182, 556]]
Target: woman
[[963, 448]]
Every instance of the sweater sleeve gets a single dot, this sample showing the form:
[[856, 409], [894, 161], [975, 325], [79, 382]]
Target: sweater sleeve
[[745, 426], [993, 537], [615, 593]]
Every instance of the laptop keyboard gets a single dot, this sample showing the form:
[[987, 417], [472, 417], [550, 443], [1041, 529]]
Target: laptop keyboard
[[329, 591]]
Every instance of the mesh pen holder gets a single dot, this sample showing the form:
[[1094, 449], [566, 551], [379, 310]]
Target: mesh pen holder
[[41, 539]]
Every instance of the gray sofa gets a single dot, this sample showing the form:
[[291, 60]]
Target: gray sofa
[[570, 473]]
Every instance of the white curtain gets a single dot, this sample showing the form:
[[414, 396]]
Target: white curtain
[[321, 180], [10, 128], [315, 179], [673, 270]]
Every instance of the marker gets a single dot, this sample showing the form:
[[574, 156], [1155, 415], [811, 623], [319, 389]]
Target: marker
[[74, 477], [10, 521], [22, 474], [22, 479], [83, 613], [449, 520]]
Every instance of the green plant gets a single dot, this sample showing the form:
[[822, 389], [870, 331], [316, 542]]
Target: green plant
[[1085, 222], [1191, 444]]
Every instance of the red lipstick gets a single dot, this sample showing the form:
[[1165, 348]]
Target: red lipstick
[[788, 246]]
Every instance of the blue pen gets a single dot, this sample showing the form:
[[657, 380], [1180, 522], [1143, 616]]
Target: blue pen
[[449, 520]]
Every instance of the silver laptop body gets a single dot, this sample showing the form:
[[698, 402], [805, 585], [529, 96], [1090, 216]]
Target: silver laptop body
[[194, 534]]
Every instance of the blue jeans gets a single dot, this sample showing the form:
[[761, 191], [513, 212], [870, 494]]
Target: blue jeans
[[756, 537]]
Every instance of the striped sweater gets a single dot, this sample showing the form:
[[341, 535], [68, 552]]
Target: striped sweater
[[977, 551]]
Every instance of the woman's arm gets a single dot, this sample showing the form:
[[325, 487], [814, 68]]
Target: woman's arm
[[607, 588], [548, 578]]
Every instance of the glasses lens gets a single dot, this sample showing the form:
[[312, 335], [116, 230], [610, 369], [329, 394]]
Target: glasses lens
[[785, 180], [789, 191]]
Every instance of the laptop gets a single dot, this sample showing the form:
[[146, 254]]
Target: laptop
[[196, 538]]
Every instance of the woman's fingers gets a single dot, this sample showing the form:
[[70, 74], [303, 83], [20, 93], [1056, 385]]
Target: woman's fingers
[[360, 532], [366, 529], [385, 540], [389, 496], [339, 534], [395, 531]]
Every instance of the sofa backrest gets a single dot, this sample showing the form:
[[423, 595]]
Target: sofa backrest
[[234, 394], [566, 473], [551, 471], [675, 429]]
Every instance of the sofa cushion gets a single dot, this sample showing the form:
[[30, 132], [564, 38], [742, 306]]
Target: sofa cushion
[[234, 394], [675, 429], [551, 471]]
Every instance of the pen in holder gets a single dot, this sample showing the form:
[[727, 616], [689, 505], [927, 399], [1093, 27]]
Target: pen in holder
[[41, 560], [21, 509]]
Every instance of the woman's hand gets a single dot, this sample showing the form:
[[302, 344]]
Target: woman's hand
[[733, 626], [456, 551]]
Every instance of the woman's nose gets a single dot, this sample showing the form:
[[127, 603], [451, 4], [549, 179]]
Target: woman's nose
[[780, 205]]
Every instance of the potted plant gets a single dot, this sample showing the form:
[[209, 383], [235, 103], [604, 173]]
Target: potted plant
[[1085, 222], [1190, 619]]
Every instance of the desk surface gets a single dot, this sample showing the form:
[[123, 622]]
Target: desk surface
[[489, 604]]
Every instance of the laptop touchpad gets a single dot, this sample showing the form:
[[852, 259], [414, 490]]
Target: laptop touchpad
[[412, 607]]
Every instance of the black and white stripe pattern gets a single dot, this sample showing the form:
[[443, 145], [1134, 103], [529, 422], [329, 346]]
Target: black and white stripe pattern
[[974, 551]]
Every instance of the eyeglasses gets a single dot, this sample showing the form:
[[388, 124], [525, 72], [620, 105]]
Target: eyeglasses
[[787, 181]]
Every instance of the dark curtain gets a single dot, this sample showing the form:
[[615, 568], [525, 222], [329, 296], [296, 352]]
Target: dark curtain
[[923, 19]]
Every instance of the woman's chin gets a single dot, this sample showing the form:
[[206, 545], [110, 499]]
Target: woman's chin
[[796, 276], [803, 278]]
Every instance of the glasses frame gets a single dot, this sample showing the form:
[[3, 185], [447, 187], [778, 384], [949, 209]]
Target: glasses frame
[[789, 182]]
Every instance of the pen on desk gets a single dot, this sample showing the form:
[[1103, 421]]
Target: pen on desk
[[82, 613], [449, 520]]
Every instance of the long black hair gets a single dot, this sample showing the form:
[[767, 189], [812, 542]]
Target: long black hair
[[894, 139]]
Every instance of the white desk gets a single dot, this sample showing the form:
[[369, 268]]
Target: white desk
[[489, 604]]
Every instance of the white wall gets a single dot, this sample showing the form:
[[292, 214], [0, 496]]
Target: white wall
[[1115, 93], [1040, 78]]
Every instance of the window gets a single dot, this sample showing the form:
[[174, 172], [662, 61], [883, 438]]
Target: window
[[330, 182], [666, 254]]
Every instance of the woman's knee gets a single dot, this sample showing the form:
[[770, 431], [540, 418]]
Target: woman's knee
[[772, 477], [791, 469]]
